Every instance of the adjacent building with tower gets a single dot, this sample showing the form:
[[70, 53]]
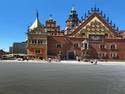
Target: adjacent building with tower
[[93, 36]]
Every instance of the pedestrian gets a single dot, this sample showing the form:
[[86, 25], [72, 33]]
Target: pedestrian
[[95, 62], [49, 60], [91, 61]]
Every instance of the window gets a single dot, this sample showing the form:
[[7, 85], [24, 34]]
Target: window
[[37, 51], [102, 46], [40, 41], [58, 46], [102, 54], [83, 34], [85, 45], [113, 55], [76, 45], [34, 41], [113, 46], [44, 42]]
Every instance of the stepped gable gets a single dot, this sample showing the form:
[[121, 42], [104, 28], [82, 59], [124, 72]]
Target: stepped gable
[[95, 16]]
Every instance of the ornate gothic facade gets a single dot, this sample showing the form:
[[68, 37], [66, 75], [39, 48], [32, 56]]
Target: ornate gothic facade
[[92, 37]]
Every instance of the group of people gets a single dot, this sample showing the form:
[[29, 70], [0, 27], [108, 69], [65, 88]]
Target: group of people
[[53, 59], [93, 61]]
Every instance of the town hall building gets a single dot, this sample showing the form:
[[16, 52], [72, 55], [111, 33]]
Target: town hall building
[[91, 37]]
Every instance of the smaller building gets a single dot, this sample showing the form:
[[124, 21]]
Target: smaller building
[[37, 40], [2, 53], [18, 48], [11, 49]]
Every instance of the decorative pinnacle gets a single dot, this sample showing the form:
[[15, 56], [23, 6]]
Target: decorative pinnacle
[[50, 17], [95, 7]]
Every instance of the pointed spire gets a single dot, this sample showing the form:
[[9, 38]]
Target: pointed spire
[[110, 23], [104, 16], [36, 23], [95, 7], [89, 12], [92, 9], [85, 15], [117, 29], [37, 14], [107, 19], [73, 8], [114, 25], [82, 18], [101, 13]]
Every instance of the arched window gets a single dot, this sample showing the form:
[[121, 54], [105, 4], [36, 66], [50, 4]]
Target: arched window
[[85, 45]]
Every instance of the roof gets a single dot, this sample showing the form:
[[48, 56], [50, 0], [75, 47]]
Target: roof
[[99, 15], [35, 24]]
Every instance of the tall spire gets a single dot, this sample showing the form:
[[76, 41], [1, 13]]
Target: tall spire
[[37, 14], [36, 23]]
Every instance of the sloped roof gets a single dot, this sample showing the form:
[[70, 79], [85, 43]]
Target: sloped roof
[[35, 24]]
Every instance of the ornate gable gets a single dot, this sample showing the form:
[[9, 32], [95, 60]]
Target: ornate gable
[[95, 25]]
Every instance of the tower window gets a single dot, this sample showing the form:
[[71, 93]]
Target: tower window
[[34, 41], [40, 41], [37, 51]]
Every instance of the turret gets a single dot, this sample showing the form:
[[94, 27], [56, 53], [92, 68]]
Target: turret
[[51, 25], [36, 23], [72, 20]]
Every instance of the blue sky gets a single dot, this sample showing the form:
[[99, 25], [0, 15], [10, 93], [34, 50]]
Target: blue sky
[[17, 15]]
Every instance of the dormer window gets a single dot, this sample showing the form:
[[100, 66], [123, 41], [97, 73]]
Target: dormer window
[[85, 45]]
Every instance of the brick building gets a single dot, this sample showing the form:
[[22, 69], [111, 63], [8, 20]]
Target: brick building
[[92, 36]]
